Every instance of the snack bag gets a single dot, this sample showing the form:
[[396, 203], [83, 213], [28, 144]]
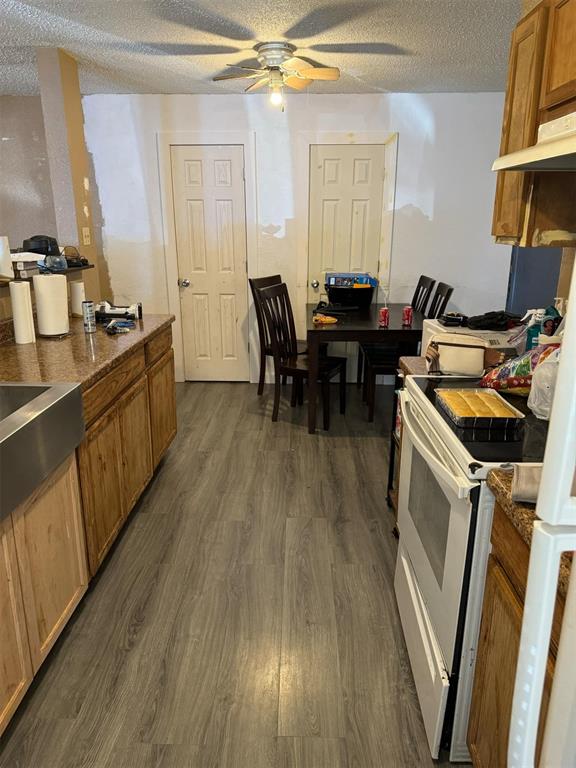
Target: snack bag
[[515, 376]]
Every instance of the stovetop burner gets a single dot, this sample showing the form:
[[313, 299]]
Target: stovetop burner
[[529, 449]]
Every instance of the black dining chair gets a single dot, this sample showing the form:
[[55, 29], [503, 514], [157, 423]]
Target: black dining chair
[[256, 284], [382, 359], [280, 329], [440, 300]]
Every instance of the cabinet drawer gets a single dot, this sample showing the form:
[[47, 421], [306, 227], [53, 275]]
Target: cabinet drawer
[[156, 347], [104, 393]]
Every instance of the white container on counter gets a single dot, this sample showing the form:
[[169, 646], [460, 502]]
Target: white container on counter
[[51, 293], [22, 316]]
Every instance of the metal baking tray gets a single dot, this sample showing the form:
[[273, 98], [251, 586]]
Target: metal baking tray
[[501, 423]]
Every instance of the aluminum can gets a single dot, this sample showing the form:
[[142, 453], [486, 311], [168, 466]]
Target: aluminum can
[[89, 316], [407, 315], [384, 317]]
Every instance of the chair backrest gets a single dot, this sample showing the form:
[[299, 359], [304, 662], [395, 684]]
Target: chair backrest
[[422, 293], [279, 320], [440, 300], [256, 284]]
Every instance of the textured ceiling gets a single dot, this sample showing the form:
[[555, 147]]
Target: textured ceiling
[[176, 46]]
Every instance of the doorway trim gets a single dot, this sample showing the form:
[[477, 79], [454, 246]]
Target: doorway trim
[[164, 141], [306, 139]]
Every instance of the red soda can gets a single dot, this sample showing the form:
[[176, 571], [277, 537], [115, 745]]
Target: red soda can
[[407, 315], [384, 317]]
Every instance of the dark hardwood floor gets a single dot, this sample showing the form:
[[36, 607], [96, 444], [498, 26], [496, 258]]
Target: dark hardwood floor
[[246, 617]]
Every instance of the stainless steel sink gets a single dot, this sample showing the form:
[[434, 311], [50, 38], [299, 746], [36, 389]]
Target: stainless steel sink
[[40, 425]]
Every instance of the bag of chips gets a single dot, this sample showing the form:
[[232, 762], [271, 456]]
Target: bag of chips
[[515, 376]]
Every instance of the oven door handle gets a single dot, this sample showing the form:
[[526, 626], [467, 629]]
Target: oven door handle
[[458, 483]]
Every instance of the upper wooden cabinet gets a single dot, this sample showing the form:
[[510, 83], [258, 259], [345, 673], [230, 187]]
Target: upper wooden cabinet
[[519, 127], [559, 80], [536, 209]]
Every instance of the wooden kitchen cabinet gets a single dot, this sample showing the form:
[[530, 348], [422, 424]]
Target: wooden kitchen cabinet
[[559, 79], [101, 480], [131, 417], [50, 546], [537, 209], [161, 388], [499, 644], [496, 672], [520, 121], [15, 662], [134, 415]]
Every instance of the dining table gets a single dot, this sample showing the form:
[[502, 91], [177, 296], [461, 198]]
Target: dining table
[[363, 328]]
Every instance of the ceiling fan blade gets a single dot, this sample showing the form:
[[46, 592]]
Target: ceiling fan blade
[[294, 64], [298, 83], [240, 75], [250, 69], [257, 84], [320, 73]]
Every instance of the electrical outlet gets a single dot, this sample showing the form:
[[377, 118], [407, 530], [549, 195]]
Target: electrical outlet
[[86, 236]]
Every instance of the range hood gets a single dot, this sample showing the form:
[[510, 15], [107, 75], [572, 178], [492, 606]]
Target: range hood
[[555, 149]]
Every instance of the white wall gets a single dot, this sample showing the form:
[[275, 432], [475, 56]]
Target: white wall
[[445, 188]]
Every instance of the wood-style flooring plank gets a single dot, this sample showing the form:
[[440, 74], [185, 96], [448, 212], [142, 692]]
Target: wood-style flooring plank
[[310, 686], [312, 752]]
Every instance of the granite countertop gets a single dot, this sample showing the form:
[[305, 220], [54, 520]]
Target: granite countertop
[[413, 366], [78, 357], [523, 516]]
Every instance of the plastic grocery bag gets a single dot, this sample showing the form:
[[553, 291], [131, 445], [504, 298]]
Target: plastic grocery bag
[[543, 386]]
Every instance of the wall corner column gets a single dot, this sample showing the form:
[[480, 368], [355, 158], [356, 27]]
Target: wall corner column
[[68, 157]]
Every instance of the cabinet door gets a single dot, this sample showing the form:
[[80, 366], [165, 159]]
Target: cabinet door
[[136, 442], [496, 672], [559, 81], [519, 126], [15, 664], [101, 484], [161, 387], [51, 553]]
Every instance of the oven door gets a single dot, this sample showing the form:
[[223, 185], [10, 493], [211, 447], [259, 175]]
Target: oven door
[[434, 521]]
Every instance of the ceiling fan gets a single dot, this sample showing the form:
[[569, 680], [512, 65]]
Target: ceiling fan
[[280, 68]]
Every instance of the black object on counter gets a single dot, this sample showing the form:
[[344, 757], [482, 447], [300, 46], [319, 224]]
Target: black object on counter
[[494, 321]]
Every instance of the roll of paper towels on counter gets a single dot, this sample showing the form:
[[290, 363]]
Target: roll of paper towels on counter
[[77, 296], [51, 293], [6, 270], [22, 316]]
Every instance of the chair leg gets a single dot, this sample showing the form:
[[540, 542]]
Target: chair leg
[[294, 394], [326, 404], [284, 380], [343, 388], [262, 371], [359, 367], [276, 407], [365, 382], [300, 391], [371, 394]]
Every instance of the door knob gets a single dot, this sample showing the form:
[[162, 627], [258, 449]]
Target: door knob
[[315, 284], [184, 282]]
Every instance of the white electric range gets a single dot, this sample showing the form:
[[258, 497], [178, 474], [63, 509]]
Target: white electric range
[[445, 513]]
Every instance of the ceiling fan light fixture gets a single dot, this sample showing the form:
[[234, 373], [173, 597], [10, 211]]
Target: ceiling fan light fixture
[[276, 95]]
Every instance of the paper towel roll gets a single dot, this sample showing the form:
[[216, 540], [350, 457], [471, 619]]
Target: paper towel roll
[[22, 312], [77, 296], [51, 292], [6, 270]]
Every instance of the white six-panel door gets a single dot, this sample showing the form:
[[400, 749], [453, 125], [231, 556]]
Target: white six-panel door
[[345, 213], [210, 219]]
